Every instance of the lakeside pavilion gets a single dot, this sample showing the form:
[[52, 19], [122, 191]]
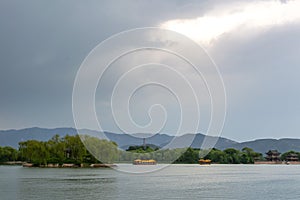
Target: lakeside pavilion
[[292, 157], [273, 155]]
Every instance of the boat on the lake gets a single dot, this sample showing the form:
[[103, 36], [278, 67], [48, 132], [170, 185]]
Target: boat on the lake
[[144, 162], [204, 162], [27, 165]]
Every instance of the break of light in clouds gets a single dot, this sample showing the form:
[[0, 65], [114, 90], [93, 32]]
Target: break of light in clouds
[[255, 44], [233, 17]]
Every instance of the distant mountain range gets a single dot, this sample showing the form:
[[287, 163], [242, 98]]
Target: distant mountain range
[[13, 137]]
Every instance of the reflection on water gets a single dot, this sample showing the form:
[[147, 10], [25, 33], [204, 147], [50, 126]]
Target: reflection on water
[[175, 182]]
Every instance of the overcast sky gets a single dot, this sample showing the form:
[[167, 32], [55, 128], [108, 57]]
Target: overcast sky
[[255, 44]]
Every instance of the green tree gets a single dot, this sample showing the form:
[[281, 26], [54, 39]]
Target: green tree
[[233, 156], [190, 156], [103, 151], [34, 151], [249, 156], [56, 147], [75, 150], [8, 154], [217, 156]]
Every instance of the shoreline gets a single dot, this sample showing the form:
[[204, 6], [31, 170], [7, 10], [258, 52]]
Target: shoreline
[[64, 165], [98, 165]]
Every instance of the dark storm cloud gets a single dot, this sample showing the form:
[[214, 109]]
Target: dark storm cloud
[[42, 45]]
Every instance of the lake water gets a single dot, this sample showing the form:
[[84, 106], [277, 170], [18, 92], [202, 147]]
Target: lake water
[[175, 182]]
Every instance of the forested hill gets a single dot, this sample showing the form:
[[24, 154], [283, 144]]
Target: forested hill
[[13, 137]]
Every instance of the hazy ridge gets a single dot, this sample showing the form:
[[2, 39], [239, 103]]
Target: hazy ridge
[[13, 137]]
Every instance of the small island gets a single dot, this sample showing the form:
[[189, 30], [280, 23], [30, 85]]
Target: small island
[[66, 152]]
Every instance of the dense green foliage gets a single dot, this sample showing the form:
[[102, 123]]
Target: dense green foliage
[[228, 156], [191, 156], [69, 149], [160, 155], [8, 154], [233, 156], [141, 149], [76, 150], [103, 150]]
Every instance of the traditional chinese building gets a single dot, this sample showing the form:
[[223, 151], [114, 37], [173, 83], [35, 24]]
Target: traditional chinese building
[[273, 155], [68, 152], [292, 157]]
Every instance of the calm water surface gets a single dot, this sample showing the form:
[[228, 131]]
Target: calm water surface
[[175, 182]]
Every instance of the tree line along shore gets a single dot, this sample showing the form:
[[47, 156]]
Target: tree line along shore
[[74, 151]]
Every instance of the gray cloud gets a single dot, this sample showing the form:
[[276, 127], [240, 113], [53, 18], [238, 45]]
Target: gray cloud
[[261, 76], [43, 45]]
